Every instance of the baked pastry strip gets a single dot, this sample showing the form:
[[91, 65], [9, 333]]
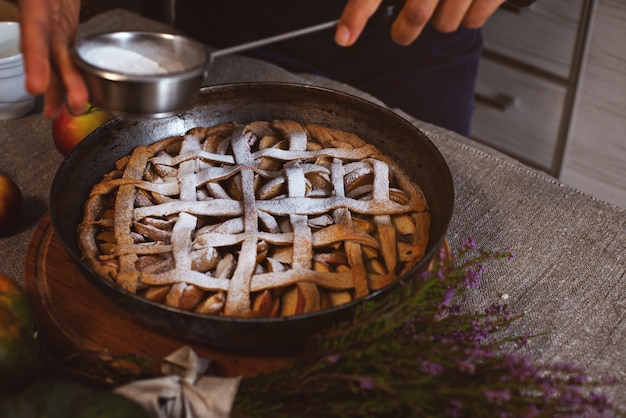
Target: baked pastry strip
[[353, 249], [238, 296]]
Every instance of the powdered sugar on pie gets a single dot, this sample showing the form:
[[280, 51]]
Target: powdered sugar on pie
[[264, 219]]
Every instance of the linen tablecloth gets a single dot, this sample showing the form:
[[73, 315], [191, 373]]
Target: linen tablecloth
[[569, 271]]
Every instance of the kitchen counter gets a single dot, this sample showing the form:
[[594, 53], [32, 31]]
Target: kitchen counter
[[569, 268]]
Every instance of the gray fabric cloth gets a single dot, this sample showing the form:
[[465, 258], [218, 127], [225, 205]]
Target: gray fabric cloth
[[184, 390], [569, 271]]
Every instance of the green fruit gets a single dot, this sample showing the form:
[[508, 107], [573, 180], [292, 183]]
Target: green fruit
[[108, 405], [56, 398], [44, 398], [18, 337], [14, 299]]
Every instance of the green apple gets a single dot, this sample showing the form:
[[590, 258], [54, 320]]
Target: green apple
[[11, 202], [69, 130]]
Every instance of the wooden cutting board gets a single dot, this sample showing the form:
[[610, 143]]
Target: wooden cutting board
[[75, 316]]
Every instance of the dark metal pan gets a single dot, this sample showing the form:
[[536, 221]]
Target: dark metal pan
[[243, 103]]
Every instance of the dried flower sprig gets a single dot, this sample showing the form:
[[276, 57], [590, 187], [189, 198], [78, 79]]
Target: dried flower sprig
[[416, 352]]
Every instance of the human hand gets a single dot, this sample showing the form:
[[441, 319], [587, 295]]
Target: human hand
[[445, 15], [48, 30]]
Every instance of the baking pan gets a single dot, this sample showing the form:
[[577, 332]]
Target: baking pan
[[96, 155]]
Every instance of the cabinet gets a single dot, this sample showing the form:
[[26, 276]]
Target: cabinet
[[551, 91], [595, 153], [527, 79]]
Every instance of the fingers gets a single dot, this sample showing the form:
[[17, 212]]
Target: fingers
[[35, 27], [63, 36], [480, 11], [53, 98], [405, 29], [452, 14], [353, 20], [445, 15], [48, 29], [71, 81], [412, 19]]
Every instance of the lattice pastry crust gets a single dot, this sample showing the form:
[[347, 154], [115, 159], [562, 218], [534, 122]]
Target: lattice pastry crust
[[266, 219]]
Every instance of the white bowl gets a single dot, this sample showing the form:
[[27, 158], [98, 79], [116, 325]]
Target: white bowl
[[15, 101]]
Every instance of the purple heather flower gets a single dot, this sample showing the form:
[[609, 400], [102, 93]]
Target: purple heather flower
[[521, 368], [599, 398], [367, 383], [333, 358], [572, 397], [548, 391], [472, 277], [425, 275], [532, 412], [523, 340], [472, 347], [478, 353], [577, 379], [610, 380], [455, 409], [431, 368], [467, 367], [447, 297], [468, 245], [497, 397]]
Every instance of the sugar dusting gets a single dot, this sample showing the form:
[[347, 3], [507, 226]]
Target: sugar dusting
[[121, 60]]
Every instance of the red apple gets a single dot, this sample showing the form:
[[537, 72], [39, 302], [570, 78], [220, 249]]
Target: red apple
[[10, 203], [69, 130]]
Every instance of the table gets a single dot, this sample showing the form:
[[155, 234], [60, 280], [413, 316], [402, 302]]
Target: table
[[569, 271]]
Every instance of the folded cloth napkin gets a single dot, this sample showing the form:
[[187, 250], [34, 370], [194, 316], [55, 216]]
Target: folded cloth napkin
[[183, 391]]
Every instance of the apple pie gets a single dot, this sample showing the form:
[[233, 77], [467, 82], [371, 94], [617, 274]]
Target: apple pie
[[258, 220]]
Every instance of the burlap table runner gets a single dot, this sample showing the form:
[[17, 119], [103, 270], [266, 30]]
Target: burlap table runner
[[569, 271]]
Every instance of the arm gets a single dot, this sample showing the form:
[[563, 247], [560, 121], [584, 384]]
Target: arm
[[445, 15], [48, 29]]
